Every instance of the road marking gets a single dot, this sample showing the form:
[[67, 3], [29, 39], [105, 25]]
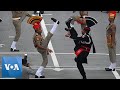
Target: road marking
[[12, 53], [49, 24], [45, 78], [73, 68], [89, 53], [45, 14], [54, 58], [1, 45], [7, 78], [117, 76], [11, 36]]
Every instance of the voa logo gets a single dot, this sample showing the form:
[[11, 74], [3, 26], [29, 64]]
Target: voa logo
[[11, 67]]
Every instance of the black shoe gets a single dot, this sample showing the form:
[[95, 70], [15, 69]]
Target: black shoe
[[54, 20], [108, 69], [68, 22], [42, 76], [14, 50], [36, 76], [42, 12], [39, 77]]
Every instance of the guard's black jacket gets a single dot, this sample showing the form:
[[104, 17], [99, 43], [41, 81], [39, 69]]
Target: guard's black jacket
[[82, 45]]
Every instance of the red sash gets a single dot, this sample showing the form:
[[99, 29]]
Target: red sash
[[79, 51], [79, 22]]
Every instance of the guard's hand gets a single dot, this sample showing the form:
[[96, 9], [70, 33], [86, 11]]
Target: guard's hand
[[49, 50]]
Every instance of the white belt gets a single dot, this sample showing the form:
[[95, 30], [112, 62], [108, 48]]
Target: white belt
[[16, 18]]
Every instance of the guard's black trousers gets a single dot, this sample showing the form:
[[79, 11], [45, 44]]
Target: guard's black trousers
[[81, 69]]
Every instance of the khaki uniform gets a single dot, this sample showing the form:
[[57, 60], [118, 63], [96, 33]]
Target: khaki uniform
[[112, 50], [18, 17], [38, 39]]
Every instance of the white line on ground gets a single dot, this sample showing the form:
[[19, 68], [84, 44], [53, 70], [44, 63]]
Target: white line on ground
[[54, 58], [49, 24], [55, 53], [11, 36], [117, 76], [45, 78], [45, 14], [7, 78], [74, 68], [90, 53], [1, 45]]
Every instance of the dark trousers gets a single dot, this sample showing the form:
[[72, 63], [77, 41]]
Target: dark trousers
[[81, 69], [80, 59]]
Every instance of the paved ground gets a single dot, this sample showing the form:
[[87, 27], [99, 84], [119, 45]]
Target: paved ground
[[61, 64]]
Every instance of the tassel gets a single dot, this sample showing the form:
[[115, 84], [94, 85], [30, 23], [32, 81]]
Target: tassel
[[94, 50]]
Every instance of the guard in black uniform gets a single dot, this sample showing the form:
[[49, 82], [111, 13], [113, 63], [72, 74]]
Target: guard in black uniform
[[82, 46]]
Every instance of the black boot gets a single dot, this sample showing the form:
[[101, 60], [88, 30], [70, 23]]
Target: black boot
[[108, 69], [36, 76], [42, 12], [42, 76], [39, 77], [14, 50], [68, 22], [55, 20]]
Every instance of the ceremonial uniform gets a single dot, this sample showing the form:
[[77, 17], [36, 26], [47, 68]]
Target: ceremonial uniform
[[38, 39], [82, 44], [111, 40], [40, 43], [82, 48], [18, 17]]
